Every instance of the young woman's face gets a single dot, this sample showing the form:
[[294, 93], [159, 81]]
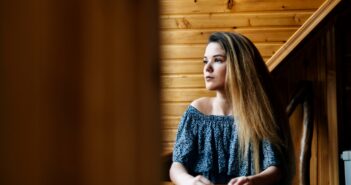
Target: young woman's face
[[214, 66]]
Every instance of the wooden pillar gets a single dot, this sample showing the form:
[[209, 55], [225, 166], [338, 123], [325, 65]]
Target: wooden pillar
[[79, 99]]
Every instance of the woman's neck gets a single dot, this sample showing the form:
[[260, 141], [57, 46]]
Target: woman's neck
[[221, 104]]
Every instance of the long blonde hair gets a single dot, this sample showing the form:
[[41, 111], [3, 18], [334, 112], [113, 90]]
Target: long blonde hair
[[251, 93]]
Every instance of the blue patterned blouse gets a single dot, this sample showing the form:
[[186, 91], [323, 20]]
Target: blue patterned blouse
[[208, 145]]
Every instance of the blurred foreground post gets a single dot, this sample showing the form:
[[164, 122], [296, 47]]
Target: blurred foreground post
[[79, 92]]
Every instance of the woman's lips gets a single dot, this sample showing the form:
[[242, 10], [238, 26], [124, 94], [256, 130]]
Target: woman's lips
[[208, 78]]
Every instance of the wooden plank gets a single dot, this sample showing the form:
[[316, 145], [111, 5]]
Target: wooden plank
[[174, 109], [196, 51], [332, 108], [170, 122], [206, 6], [167, 147], [182, 66], [279, 18], [169, 135], [236, 20], [190, 6], [182, 81], [204, 21], [189, 51], [200, 36], [181, 95]]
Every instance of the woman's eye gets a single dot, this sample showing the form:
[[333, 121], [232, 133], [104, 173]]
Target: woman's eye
[[205, 61], [218, 60]]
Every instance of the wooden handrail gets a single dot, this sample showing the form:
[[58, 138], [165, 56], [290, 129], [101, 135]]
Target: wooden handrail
[[301, 33]]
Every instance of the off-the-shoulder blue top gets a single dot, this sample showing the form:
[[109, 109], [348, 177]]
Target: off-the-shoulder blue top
[[208, 145]]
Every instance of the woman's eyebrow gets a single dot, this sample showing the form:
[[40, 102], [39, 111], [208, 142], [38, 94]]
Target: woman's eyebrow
[[219, 55]]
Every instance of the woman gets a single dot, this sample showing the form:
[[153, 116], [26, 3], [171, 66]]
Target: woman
[[240, 136]]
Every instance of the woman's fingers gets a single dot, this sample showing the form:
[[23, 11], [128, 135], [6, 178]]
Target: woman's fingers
[[202, 180], [233, 181], [239, 181]]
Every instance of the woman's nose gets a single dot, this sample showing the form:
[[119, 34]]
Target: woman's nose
[[209, 67]]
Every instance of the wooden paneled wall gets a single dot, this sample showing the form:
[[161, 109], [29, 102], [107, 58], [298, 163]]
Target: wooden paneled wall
[[343, 41], [315, 60], [185, 27]]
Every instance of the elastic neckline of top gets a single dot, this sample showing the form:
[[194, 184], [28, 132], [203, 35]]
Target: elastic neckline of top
[[210, 115]]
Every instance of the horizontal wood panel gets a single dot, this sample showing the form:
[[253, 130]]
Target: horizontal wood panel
[[203, 21], [167, 147], [174, 109], [176, 95], [183, 81], [183, 51], [170, 122], [280, 19], [196, 51], [169, 135], [206, 6], [200, 36], [182, 66]]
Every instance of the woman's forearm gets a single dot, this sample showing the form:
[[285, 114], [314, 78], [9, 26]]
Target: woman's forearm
[[269, 176], [178, 173]]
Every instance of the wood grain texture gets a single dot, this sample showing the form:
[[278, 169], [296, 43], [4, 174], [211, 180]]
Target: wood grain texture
[[236, 20], [216, 6], [167, 147], [174, 109], [169, 135], [170, 122], [182, 66], [182, 81], [182, 95], [200, 36]]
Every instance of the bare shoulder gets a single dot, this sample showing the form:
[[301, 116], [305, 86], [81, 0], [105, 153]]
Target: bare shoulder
[[203, 104]]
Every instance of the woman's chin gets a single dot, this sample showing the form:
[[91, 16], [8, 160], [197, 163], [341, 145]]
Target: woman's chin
[[211, 88], [214, 88]]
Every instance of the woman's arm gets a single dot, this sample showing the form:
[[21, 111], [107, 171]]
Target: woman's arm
[[180, 176], [269, 176]]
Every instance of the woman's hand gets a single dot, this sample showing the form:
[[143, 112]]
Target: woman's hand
[[240, 181], [199, 180], [269, 176], [180, 176]]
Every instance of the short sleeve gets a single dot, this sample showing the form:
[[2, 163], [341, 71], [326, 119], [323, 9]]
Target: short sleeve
[[270, 155], [184, 148]]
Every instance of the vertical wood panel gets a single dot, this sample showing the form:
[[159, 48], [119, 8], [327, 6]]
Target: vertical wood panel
[[332, 109]]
